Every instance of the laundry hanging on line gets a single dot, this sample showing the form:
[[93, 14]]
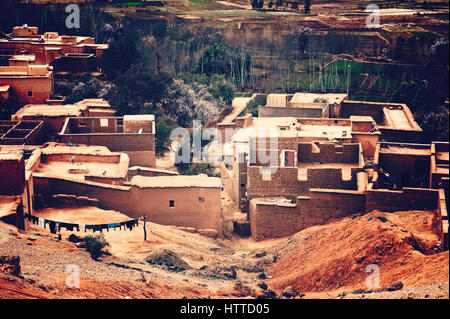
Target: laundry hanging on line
[[55, 226]]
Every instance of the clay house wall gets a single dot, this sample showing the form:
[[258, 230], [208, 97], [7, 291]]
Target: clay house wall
[[12, 169], [285, 181], [197, 207], [328, 153], [439, 165], [395, 121], [269, 219], [405, 199], [30, 85], [109, 132]]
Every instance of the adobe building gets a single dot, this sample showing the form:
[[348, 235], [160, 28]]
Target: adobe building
[[394, 121], [411, 177], [85, 163], [95, 172], [32, 84], [439, 164], [132, 134], [302, 105], [317, 173], [54, 115], [65, 53], [16, 196]]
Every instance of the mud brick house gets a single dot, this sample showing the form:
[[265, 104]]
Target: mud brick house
[[16, 196], [394, 121], [317, 173], [301, 144], [301, 105], [132, 134], [96, 172], [411, 177], [54, 115], [32, 84], [26, 46]]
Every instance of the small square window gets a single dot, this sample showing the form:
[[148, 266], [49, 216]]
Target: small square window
[[171, 203], [201, 199], [103, 122], [242, 185], [30, 93]]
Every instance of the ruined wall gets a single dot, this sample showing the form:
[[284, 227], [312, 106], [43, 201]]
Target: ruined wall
[[268, 220], [406, 199], [263, 147], [328, 153], [139, 147], [375, 110]]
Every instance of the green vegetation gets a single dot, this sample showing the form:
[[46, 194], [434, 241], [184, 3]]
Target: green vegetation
[[243, 95], [167, 258], [95, 245], [252, 106]]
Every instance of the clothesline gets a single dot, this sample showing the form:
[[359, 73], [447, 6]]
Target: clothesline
[[56, 226]]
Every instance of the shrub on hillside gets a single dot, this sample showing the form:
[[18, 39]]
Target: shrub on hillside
[[95, 245]]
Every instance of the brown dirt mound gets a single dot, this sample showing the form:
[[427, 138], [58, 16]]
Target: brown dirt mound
[[334, 257]]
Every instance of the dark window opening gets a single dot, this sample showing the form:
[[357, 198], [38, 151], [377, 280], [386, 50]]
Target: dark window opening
[[171, 203]]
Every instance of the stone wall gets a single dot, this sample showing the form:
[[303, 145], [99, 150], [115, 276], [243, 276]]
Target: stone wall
[[328, 153], [406, 199], [12, 172], [285, 181], [269, 219]]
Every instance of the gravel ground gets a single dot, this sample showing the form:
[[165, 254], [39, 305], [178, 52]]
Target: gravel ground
[[42, 257], [430, 291]]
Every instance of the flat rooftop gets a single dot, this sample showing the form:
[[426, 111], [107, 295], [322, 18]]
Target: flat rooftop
[[57, 161], [325, 131], [300, 127], [309, 98], [200, 180], [48, 110]]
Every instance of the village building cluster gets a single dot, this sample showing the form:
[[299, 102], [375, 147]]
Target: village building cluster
[[333, 157]]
